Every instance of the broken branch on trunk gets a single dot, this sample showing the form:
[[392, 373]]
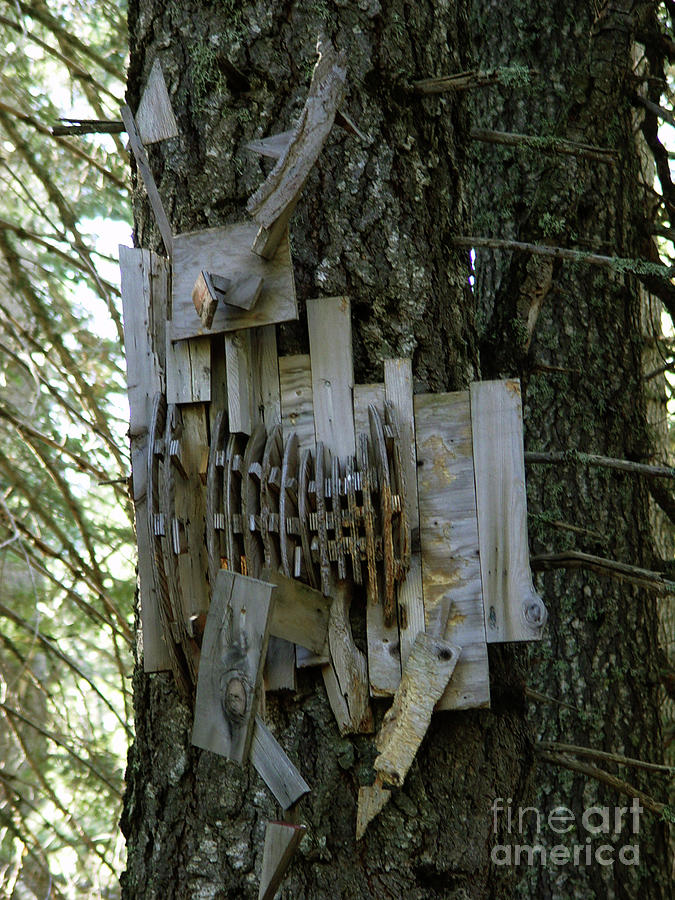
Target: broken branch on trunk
[[546, 144], [576, 559], [465, 81], [606, 462], [592, 753], [88, 126]]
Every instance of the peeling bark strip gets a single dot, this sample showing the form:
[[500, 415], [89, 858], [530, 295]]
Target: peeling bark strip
[[273, 203], [425, 676]]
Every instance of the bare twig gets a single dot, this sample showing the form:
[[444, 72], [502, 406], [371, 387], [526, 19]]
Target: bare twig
[[592, 753], [546, 144], [89, 126], [464, 81], [575, 559], [606, 462]]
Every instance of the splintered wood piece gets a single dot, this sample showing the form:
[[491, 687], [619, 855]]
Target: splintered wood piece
[[399, 392], [273, 146], [372, 800], [349, 663], [297, 408], [400, 525], [154, 117], [368, 517], [384, 650], [386, 513], [274, 201], [275, 768], [206, 297], [330, 345], [427, 672], [170, 628], [250, 502], [300, 613], [234, 537], [148, 180], [304, 508], [337, 518], [226, 251], [513, 609], [145, 290], [216, 548], [324, 556], [453, 596], [281, 842], [288, 507], [231, 665]]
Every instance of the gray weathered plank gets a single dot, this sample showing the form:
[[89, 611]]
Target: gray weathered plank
[[330, 347], [241, 406], [275, 768], [281, 842], [231, 665], [154, 117], [148, 180], [273, 146], [364, 396], [300, 613], [297, 408], [513, 609], [398, 388], [226, 251], [430, 664], [188, 370], [266, 375], [145, 286], [453, 597]]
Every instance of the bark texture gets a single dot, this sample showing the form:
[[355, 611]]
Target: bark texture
[[602, 656], [374, 222]]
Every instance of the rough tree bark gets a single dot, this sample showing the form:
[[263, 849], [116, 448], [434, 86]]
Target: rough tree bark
[[375, 222], [597, 327]]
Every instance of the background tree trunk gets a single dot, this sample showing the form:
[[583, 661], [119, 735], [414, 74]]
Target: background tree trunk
[[375, 222]]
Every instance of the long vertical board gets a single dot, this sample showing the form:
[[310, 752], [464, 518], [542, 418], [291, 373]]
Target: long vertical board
[[513, 609], [451, 580], [297, 407], [145, 289], [398, 387], [330, 344]]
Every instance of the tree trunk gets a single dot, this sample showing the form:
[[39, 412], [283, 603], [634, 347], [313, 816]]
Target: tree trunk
[[583, 390], [374, 223]]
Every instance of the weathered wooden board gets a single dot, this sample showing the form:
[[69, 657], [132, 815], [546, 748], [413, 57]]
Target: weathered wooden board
[[266, 375], [274, 201], [230, 669], [513, 609], [453, 597], [297, 406], [372, 800], [148, 180], [330, 347], [281, 842], [364, 395], [273, 146], [188, 370], [241, 407], [384, 653], [154, 117], [226, 251], [398, 386], [300, 613], [275, 768], [426, 673], [145, 287]]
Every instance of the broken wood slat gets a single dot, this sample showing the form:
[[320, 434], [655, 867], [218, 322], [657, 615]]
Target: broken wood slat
[[348, 663], [287, 504], [241, 407], [453, 597], [280, 665], [398, 388], [234, 539], [425, 676], [230, 669], [300, 612], [226, 251], [330, 347], [273, 203], [154, 117], [297, 406], [145, 287], [281, 842], [188, 370], [273, 146], [305, 474], [372, 800], [206, 297], [250, 501], [513, 609], [245, 292], [216, 549], [275, 768], [148, 180], [267, 393], [366, 395]]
